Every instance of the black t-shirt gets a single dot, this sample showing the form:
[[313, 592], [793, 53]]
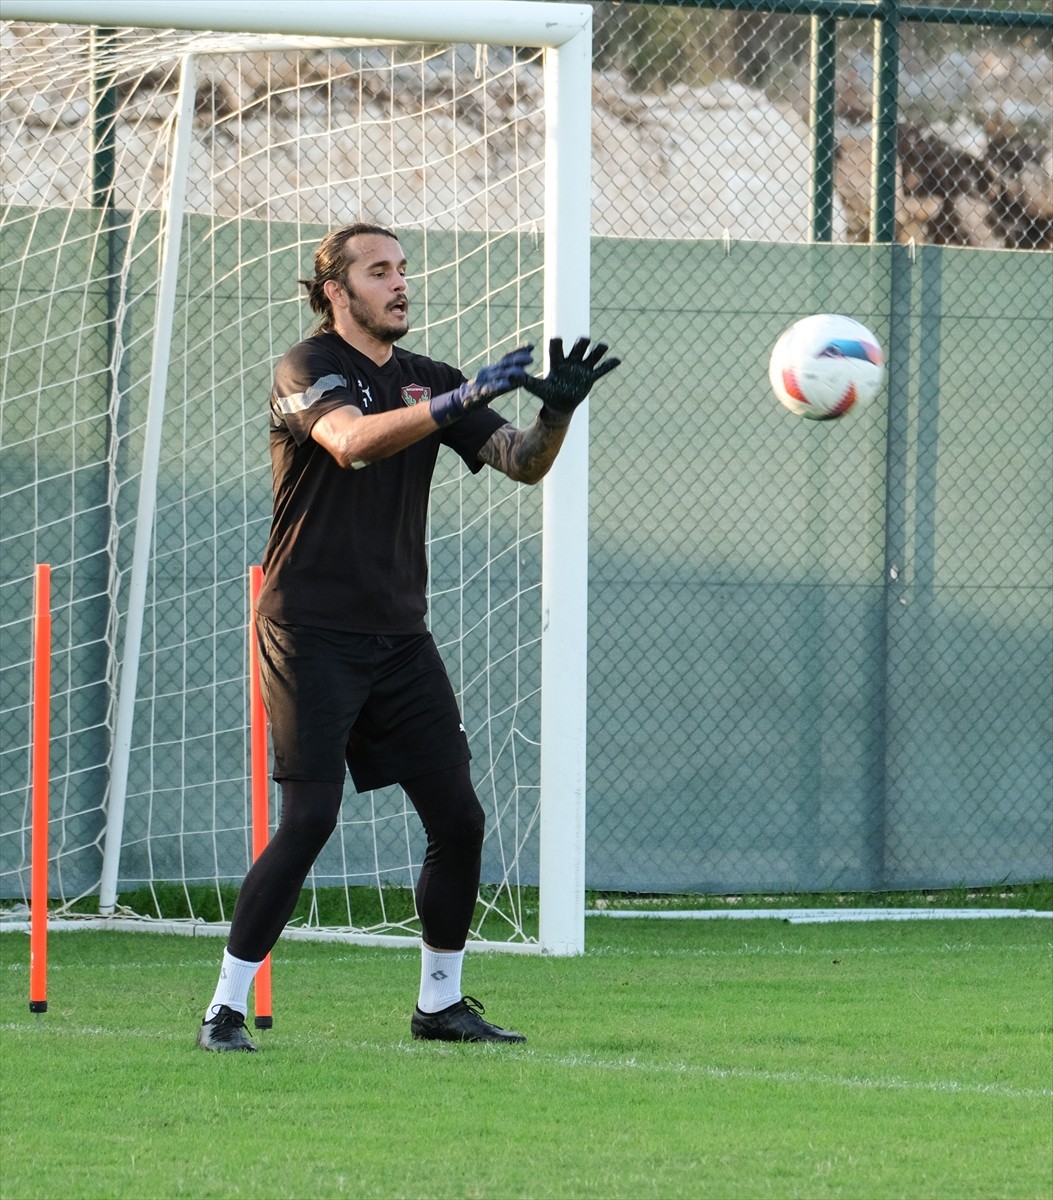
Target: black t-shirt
[[347, 547]]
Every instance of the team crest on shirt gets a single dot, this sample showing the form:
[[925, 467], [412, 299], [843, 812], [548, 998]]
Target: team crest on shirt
[[415, 394]]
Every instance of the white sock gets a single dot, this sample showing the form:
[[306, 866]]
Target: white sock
[[440, 978], [235, 979]]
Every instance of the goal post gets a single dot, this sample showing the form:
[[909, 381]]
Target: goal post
[[172, 227], [562, 32]]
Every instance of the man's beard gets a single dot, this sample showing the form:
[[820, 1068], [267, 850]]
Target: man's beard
[[364, 318]]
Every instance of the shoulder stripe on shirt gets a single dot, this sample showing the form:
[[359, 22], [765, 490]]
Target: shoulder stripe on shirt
[[302, 400]]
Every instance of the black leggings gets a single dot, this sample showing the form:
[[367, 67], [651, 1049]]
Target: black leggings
[[447, 887]]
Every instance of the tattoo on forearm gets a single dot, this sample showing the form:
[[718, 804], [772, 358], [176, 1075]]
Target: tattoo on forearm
[[524, 454]]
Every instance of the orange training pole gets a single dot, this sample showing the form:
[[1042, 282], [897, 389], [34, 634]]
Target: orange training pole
[[260, 787], [38, 885]]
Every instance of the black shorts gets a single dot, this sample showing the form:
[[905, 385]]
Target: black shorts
[[381, 707]]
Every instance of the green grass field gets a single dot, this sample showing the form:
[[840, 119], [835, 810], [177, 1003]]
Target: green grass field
[[676, 1058]]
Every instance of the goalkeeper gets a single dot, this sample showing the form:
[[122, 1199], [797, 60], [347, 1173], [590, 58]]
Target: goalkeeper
[[352, 679]]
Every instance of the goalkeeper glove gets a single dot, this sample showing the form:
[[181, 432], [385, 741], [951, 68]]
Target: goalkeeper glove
[[570, 377], [492, 381]]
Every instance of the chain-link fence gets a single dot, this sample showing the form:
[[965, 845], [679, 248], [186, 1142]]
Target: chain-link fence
[[820, 653], [724, 120]]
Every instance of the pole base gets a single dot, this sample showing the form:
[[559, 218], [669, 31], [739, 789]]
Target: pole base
[[38, 1006], [264, 1022]]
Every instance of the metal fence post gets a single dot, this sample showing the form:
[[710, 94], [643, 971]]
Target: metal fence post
[[886, 82], [823, 68]]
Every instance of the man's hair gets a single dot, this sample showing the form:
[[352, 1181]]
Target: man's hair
[[334, 256]]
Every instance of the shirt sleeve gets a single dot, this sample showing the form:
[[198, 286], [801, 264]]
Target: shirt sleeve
[[309, 381], [471, 433]]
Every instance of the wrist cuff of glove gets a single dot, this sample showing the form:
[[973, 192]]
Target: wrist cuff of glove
[[552, 418], [448, 407]]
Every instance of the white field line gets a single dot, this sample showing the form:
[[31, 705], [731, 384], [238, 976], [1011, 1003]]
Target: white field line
[[588, 1062], [813, 916], [791, 916]]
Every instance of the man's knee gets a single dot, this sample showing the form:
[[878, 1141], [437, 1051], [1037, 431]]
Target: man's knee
[[309, 811], [467, 828], [448, 808]]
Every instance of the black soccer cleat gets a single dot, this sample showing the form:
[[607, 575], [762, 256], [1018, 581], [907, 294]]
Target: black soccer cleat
[[225, 1031], [461, 1022]]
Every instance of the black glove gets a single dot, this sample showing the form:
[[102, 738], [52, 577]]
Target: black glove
[[570, 378], [500, 377]]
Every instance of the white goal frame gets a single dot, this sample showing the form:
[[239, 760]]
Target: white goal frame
[[565, 33]]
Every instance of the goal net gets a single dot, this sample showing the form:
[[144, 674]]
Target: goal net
[[162, 194]]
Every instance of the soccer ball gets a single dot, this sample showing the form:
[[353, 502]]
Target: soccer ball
[[824, 365]]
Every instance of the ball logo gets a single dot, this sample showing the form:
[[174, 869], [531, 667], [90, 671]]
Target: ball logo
[[853, 348]]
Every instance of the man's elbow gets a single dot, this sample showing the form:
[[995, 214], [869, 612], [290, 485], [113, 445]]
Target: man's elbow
[[532, 473], [351, 457]]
